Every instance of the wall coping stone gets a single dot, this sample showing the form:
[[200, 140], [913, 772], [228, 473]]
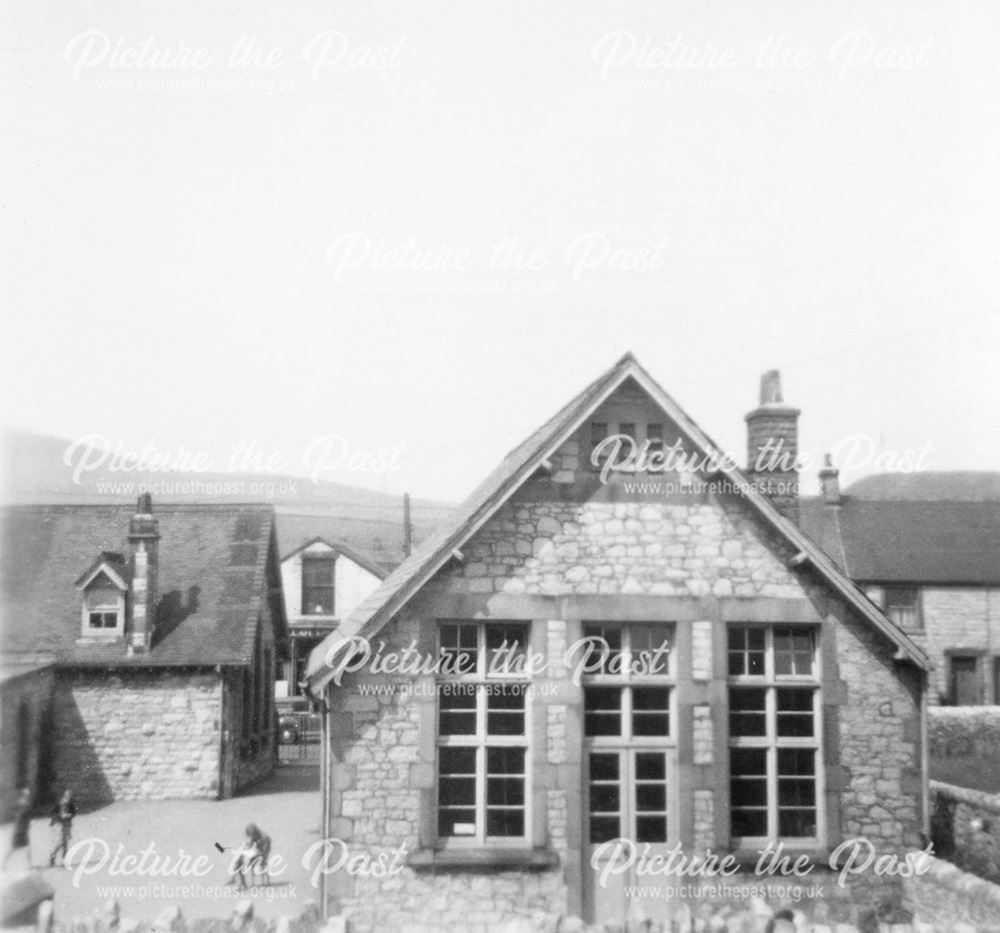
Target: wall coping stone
[[975, 798]]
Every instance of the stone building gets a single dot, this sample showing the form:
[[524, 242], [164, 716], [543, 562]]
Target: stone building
[[586, 654], [323, 581], [25, 711], [926, 548], [163, 629]]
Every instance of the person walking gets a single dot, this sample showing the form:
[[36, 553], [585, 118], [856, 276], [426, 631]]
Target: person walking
[[22, 825], [63, 813]]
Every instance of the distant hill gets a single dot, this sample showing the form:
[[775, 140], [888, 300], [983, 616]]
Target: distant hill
[[33, 471]]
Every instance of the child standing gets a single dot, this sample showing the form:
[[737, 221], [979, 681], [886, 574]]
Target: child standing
[[63, 813]]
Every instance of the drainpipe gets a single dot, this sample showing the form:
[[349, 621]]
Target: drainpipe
[[925, 754]]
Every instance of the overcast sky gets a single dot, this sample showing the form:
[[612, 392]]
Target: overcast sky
[[422, 227]]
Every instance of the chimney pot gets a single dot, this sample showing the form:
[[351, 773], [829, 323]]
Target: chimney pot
[[829, 482], [770, 388], [773, 446]]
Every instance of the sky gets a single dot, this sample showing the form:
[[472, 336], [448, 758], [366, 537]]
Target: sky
[[381, 243]]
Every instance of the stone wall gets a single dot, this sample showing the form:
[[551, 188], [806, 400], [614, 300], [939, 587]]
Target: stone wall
[[382, 798], [962, 619], [24, 704], [696, 548], [566, 550], [138, 734], [965, 829], [946, 898]]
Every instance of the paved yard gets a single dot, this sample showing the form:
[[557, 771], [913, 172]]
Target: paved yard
[[286, 807]]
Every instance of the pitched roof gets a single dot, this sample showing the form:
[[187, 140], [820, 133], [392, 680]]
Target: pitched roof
[[894, 541], [212, 578], [943, 485], [379, 540], [342, 550], [523, 461]]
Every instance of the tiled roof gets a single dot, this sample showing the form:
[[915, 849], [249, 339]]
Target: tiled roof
[[932, 485], [342, 549], [522, 462], [212, 578], [379, 540], [909, 541]]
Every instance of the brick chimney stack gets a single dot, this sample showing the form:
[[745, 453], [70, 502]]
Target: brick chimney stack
[[829, 482], [144, 538], [773, 447]]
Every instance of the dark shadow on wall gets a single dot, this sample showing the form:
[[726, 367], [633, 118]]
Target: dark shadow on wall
[[76, 763]]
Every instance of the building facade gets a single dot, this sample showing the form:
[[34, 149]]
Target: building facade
[[323, 583], [926, 548], [591, 665], [163, 630]]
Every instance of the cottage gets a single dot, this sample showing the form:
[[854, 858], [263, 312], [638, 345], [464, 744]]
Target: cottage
[[926, 548], [323, 581], [163, 629], [709, 679]]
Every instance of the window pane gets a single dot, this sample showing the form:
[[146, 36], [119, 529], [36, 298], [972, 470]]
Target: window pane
[[650, 716], [651, 797], [795, 713], [457, 792], [604, 656], [504, 822], [604, 767], [651, 828], [505, 791], [793, 652], [505, 709], [747, 711], [797, 792], [650, 766], [604, 797], [459, 643], [604, 829], [651, 647], [602, 711], [506, 646], [457, 709], [317, 585], [746, 650], [748, 791]]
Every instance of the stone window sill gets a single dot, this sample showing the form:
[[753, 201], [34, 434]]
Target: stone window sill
[[472, 859]]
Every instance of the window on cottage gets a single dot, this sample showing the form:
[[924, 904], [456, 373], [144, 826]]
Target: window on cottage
[[774, 733], [628, 692], [902, 606], [483, 731], [103, 609], [317, 585]]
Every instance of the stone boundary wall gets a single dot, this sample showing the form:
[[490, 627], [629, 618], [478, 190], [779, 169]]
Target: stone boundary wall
[[965, 828], [946, 898]]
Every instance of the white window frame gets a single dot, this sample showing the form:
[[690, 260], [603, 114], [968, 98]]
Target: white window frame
[[117, 607], [627, 745], [898, 613], [482, 741], [771, 741]]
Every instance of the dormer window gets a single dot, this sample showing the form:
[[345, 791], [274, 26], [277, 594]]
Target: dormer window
[[105, 610], [103, 599]]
